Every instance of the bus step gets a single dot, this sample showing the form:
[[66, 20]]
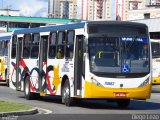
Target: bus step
[[18, 89], [42, 94], [3, 83]]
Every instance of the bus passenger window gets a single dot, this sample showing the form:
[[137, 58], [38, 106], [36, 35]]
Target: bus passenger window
[[1, 48], [69, 45], [14, 42], [34, 52], [52, 45], [52, 51], [6, 48], [35, 46], [61, 43], [26, 52], [26, 45]]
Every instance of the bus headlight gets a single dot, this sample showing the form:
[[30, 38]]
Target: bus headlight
[[144, 83], [95, 82]]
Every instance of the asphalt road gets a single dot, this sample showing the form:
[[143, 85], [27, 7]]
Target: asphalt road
[[91, 109]]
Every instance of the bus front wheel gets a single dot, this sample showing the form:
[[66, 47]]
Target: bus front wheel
[[27, 91], [123, 103], [66, 99]]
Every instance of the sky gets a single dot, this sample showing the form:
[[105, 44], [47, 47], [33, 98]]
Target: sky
[[36, 8]]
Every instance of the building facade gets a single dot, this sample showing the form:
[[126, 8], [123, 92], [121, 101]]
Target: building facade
[[66, 9], [124, 6], [9, 12], [51, 8], [98, 9], [151, 10], [152, 2], [82, 9], [148, 13]]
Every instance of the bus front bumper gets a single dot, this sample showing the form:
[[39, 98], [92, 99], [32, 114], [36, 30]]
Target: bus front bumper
[[96, 92], [156, 80]]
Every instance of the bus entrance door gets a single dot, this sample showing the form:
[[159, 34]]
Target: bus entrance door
[[18, 59], [78, 65], [43, 65]]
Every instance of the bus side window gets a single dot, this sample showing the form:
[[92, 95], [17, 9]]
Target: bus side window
[[6, 48], [26, 46], [1, 48], [52, 45], [60, 47], [70, 44], [35, 46], [14, 42]]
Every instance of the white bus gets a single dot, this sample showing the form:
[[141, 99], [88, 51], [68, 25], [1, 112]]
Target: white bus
[[155, 45], [89, 60], [4, 43]]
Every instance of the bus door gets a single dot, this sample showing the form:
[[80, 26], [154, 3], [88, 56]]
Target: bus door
[[78, 65], [18, 58], [43, 64]]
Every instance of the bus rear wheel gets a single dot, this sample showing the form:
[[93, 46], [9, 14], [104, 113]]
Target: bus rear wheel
[[7, 80], [27, 91], [123, 103], [66, 99]]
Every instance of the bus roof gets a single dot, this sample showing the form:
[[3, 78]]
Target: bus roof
[[50, 28], [74, 26], [117, 23], [5, 36]]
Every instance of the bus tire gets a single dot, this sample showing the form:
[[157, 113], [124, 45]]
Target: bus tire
[[66, 99], [27, 91], [123, 103], [7, 80]]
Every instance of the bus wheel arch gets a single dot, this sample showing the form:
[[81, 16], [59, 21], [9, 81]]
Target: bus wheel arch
[[27, 92], [6, 79], [65, 92]]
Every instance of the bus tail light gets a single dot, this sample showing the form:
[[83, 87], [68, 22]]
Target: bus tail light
[[144, 83], [95, 82]]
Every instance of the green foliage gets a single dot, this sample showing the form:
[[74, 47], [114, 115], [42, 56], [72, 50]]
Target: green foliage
[[10, 107]]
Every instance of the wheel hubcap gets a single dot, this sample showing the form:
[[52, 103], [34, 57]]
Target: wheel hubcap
[[27, 89], [66, 93]]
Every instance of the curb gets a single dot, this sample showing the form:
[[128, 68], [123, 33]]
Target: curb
[[19, 113]]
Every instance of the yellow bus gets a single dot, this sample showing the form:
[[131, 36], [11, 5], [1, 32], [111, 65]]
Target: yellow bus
[[155, 45], [89, 60], [4, 43]]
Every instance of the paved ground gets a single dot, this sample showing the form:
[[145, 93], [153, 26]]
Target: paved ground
[[53, 104]]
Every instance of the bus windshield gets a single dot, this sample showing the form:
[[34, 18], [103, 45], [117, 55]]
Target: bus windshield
[[118, 55], [155, 49]]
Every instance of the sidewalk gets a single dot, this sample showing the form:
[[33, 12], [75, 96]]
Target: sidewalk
[[19, 113]]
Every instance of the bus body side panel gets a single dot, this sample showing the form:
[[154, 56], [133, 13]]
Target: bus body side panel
[[12, 74], [31, 68], [57, 69], [156, 71]]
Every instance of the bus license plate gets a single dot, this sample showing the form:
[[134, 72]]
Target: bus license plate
[[120, 94]]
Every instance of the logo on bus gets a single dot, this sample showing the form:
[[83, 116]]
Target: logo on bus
[[109, 83], [125, 68], [65, 68]]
